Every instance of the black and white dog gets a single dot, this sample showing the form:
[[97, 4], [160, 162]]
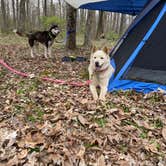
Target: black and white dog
[[44, 37]]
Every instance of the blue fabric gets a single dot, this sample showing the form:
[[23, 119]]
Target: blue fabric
[[131, 84], [117, 84], [142, 87], [132, 7], [135, 85], [141, 44], [112, 62]]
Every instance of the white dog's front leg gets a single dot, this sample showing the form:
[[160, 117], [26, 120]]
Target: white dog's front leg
[[103, 92], [45, 52], [94, 92]]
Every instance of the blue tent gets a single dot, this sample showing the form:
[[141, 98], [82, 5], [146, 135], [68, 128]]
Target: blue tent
[[123, 6], [139, 57]]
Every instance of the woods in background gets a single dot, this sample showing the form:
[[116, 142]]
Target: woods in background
[[30, 15]]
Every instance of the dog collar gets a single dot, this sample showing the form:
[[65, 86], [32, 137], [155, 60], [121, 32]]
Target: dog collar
[[50, 35], [102, 70]]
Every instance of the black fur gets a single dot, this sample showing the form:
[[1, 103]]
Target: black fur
[[44, 37]]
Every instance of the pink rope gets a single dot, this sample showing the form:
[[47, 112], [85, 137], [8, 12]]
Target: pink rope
[[62, 82]]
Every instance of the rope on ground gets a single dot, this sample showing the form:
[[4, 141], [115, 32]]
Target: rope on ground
[[57, 81]]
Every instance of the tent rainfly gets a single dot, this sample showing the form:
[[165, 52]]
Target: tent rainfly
[[140, 54]]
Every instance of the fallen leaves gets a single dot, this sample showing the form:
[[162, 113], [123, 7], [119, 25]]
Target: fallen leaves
[[101, 161], [22, 154], [82, 120], [164, 132], [45, 124]]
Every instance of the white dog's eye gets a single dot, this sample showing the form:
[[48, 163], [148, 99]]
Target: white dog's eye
[[102, 58], [94, 57]]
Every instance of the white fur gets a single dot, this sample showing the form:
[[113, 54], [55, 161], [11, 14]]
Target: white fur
[[49, 52], [100, 76], [45, 52], [14, 30], [32, 55], [55, 31]]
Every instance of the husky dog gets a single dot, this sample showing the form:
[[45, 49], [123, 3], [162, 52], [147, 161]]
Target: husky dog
[[100, 71], [44, 37]]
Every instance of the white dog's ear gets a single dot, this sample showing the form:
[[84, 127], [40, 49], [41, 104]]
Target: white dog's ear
[[105, 49], [93, 49]]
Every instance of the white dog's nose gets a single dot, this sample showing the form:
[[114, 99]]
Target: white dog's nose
[[97, 64]]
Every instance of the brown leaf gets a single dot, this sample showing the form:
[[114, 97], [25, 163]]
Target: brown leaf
[[123, 163], [81, 152], [151, 147], [22, 154], [13, 161], [101, 161], [164, 132], [114, 137], [82, 162], [31, 140], [82, 120], [84, 101], [49, 130]]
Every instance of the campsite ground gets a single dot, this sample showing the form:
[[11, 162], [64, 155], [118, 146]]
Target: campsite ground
[[43, 122]]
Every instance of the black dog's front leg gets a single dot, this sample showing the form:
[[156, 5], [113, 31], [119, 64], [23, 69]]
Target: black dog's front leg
[[45, 51], [49, 52]]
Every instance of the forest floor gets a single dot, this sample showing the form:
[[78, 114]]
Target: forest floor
[[43, 123]]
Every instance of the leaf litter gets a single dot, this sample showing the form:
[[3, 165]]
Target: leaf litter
[[48, 124]]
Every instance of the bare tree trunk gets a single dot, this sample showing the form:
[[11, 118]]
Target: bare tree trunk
[[114, 21], [38, 12], [17, 12], [60, 8], [28, 24], [90, 28], [117, 23], [22, 15], [7, 13], [82, 17], [14, 13], [111, 21], [51, 12], [45, 8], [100, 26], [4, 20], [71, 27], [122, 23], [131, 18], [63, 10], [107, 23]]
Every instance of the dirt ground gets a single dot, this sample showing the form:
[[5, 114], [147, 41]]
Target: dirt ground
[[43, 123]]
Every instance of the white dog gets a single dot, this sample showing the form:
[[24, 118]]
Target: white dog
[[100, 72]]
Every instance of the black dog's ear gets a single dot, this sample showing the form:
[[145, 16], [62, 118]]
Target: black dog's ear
[[53, 26], [93, 49]]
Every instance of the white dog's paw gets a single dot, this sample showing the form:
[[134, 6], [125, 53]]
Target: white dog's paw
[[102, 98], [95, 98]]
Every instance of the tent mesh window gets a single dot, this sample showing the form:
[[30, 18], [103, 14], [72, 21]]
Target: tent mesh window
[[134, 37], [150, 63]]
